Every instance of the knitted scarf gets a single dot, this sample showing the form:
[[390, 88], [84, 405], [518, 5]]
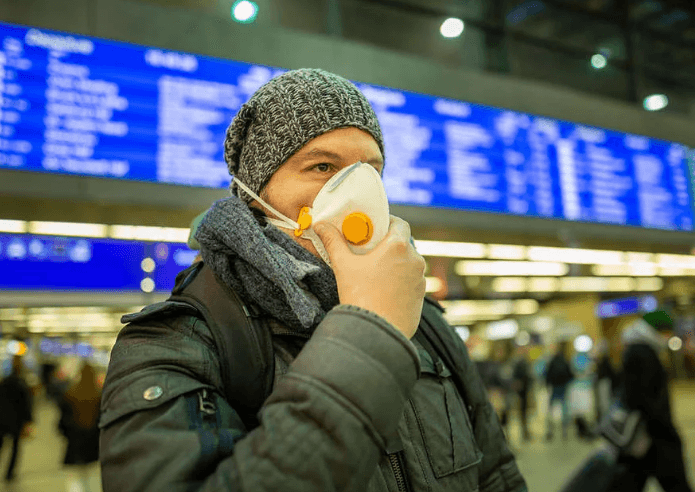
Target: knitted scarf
[[265, 266]]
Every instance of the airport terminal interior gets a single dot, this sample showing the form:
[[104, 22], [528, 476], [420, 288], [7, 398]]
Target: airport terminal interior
[[542, 151]]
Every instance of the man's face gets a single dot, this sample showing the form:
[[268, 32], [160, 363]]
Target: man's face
[[301, 177]]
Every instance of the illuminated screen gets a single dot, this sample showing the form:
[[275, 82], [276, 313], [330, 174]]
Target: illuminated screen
[[79, 105], [33, 262]]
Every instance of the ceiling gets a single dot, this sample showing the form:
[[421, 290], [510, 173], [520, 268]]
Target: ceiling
[[649, 44]]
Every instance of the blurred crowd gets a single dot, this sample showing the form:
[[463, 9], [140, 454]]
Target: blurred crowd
[[76, 396], [626, 405]]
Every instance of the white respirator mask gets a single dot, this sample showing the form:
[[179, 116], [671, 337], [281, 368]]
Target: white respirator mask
[[353, 200]]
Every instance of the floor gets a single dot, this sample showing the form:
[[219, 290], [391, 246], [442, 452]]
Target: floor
[[546, 465]]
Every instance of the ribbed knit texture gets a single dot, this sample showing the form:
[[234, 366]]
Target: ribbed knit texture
[[286, 113]]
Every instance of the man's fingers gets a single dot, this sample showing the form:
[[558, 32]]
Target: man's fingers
[[399, 230], [331, 238]]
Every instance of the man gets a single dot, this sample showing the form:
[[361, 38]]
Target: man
[[15, 412], [357, 404], [558, 377]]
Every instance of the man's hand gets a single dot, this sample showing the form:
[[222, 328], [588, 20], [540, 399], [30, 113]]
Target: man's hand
[[389, 280]]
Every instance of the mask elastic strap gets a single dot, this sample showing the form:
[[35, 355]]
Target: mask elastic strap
[[277, 214]]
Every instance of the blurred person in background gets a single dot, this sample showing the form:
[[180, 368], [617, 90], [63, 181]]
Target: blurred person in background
[[521, 384], [356, 400], [79, 416], [558, 378], [605, 380], [645, 388], [16, 403]]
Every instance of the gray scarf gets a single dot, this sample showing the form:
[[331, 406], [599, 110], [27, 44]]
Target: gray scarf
[[265, 266]]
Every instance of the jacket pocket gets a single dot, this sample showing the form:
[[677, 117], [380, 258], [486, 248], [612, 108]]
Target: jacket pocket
[[444, 423]]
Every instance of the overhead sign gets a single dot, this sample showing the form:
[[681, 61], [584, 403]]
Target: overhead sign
[[80, 105], [626, 306]]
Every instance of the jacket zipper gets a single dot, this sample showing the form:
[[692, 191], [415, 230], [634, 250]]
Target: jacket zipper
[[396, 465]]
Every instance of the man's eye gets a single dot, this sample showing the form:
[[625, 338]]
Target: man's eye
[[323, 167]]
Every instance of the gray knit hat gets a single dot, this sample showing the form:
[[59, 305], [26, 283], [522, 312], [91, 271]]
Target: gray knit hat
[[283, 115]]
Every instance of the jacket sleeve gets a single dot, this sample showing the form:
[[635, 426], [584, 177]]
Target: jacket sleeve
[[165, 427], [498, 469]]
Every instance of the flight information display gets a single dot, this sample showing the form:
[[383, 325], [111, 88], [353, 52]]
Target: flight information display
[[79, 105], [37, 262]]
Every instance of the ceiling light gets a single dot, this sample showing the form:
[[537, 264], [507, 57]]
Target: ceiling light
[[148, 233], [655, 102], [460, 320], [244, 11], [16, 226], [509, 284], [147, 265], [433, 284], [452, 27], [474, 308], [464, 332], [620, 284], [543, 284], [67, 229], [575, 255], [450, 249], [653, 284], [676, 271], [582, 284], [599, 61], [509, 268], [583, 343], [525, 306], [631, 269], [634, 257], [506, 252], [681, 261], [675, 344], [515, 284], [543, 324], [147, 285], [523, 338], [597, 284], [502, 330], [468, 308]]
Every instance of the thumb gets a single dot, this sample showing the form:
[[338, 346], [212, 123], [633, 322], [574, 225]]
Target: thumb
[[332, 240]]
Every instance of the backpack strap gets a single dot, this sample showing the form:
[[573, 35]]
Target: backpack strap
[[439, 344], [244, 344]]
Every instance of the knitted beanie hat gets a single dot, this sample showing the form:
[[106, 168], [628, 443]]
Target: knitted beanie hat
[[283, 115]]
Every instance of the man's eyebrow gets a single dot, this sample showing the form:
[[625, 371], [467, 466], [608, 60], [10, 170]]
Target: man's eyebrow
[[332, 155], [322, 153]]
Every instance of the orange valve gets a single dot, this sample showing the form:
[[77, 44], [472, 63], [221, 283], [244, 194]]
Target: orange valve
[[358, 228], [304, 221]]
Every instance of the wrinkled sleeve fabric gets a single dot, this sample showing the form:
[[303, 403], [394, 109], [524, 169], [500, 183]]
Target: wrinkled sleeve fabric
[[322, 427]]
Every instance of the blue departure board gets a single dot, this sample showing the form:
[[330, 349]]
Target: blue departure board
[[80, 105], [46, 263]]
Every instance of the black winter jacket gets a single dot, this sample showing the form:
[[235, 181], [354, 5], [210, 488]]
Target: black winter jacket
[[357, 407]]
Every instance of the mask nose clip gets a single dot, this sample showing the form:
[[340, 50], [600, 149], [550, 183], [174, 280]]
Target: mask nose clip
[[304, 221]]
